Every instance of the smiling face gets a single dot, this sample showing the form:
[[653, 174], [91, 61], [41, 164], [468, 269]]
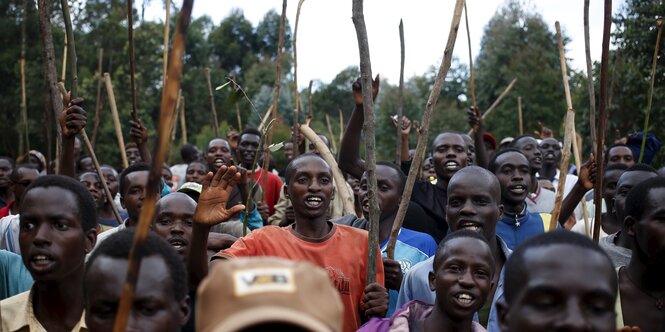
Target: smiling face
[[52, 240], [94, 185], [133, 155], [627, 181], [474, 203], [512, 170], [310, 187], [173, 221], [449, 154], [219, 153], [196, 172], [529, 147], [154, 308], [551, 151], [388, 191], [565, 289], [247, 148], [463, 278]]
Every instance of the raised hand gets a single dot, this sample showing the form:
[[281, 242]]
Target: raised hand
[[138, 132], [474, 119], [404, 125], [211, 209], [587, 173], [358, 91], [543, 132], [73, 119]]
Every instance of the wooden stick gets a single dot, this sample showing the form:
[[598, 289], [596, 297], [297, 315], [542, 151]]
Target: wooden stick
[[98, 101], [213, 111], [64, 61], [400, 98], [497, 101], [173, 126], [238, 118], [370, 143], [24, 107], [155, 178], [310, 135], [519, 113], [659, 23], [296, 95], [50, 72], [132, 66], [577, 148], [165, 55], [183, 124], [330, 133], [569, 134], [602, 118], [427, 115], [472, 88], [264, 119], [310, 116], [589, 73], [341, 125], [116, 119]]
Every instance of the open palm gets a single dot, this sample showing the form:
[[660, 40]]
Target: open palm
[[211, 209]]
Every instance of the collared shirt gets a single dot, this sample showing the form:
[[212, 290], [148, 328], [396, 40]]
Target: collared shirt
[[18, 316], [415, 286], [9, 229]]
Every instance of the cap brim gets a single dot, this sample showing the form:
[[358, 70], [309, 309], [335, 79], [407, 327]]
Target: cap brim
[[268, 314]]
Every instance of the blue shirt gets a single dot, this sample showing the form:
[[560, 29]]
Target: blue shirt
[[415, 286], [14, 276], [411, 247], [517, 228]]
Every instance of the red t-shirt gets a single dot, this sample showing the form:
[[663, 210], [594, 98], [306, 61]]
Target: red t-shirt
[[343, 253], [5, 211], [272, 188]]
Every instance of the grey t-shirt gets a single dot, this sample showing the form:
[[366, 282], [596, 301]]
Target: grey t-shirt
[[620, 256]]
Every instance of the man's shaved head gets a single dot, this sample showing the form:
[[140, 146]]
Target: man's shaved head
[[479, 173]]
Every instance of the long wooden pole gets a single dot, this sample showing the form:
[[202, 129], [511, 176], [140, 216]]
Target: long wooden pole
[[602, 117], [497, 101], [296, 94], [116, 120], [310, 116], [154, 179], [472, 88], [400, 97], [589, 73], [427, 115], [370, 143], [165, 53], [24, 107], [341, 125], [183, 124], [132, 66], [63, 74], [98, 101], [333, 141], [519, 114], [211, 96], [659, 23]]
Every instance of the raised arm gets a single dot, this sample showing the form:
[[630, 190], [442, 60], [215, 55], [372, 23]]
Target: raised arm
[[72, 120], [349, 151], [139, 134], [211, 210], [475, 121], [585, 181], [405, 129]]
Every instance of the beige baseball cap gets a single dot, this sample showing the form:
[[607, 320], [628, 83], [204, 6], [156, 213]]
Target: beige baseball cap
[[244, 292]]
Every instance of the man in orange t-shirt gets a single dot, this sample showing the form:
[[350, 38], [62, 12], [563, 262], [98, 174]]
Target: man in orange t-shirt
[[339, 249]]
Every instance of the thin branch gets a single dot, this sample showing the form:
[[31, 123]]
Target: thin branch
[[400, 96], [659, 23], [589, 73], [213, 111], [497, 101]]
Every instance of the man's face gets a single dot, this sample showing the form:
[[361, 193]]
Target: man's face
[[473, 204], [463, 279], [133, 155], [428, 170], [288, 151], [566, 289], [23, 179], [310, 188], [610, 187], [86, 165], [514, 176], [111, 177], [620, 155], [167, 176], [355, 185], [247, 147], [649, 231], [173, 221], [5, 170], [134, 193], [94, 185], [154, 307], [551, 151], [219, 153], [529, 147], [52, 240], [449, 154], [196, 172], [388, 191], [470, 150], [312, 147], [627, 181]]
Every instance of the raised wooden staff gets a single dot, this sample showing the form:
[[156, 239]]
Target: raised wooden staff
[[602, 118], [165, 54], [497, 101], [400, 97], [427, 115], [132, 66], [296, 97], [659, 23], [213, 111], [472, 88], [589, 73], [155, 178], [519, 114], [116, 120], [98, 101]]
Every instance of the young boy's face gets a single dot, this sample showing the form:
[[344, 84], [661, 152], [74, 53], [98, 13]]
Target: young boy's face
[[154, 308], [310, 187], [133, 193], [513, 172], [463, 278], [53, 242]]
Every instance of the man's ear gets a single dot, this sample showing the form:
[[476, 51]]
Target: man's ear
[[90, 239], [286, 192], [432, 277], [332, 196], [502, 313], [629, 225], [184, 307], [122, 203], [500, 209]]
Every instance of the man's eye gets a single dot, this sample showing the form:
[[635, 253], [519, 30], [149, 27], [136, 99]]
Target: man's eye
[[61, 226]]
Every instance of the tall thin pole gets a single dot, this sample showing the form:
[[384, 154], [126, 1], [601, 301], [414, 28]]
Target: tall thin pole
[[211, 96], [659, 23], [400, 96], [589, 74], [165, 55], [519, 113], [296, 97], [98, 102], [116, 120], [132, 66]]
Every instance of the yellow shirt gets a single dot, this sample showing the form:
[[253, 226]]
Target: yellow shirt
[[17, 315]]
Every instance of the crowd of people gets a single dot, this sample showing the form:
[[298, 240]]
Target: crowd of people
[[237, 245]]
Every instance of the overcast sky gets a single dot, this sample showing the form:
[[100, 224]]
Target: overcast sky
[[327, 44]]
